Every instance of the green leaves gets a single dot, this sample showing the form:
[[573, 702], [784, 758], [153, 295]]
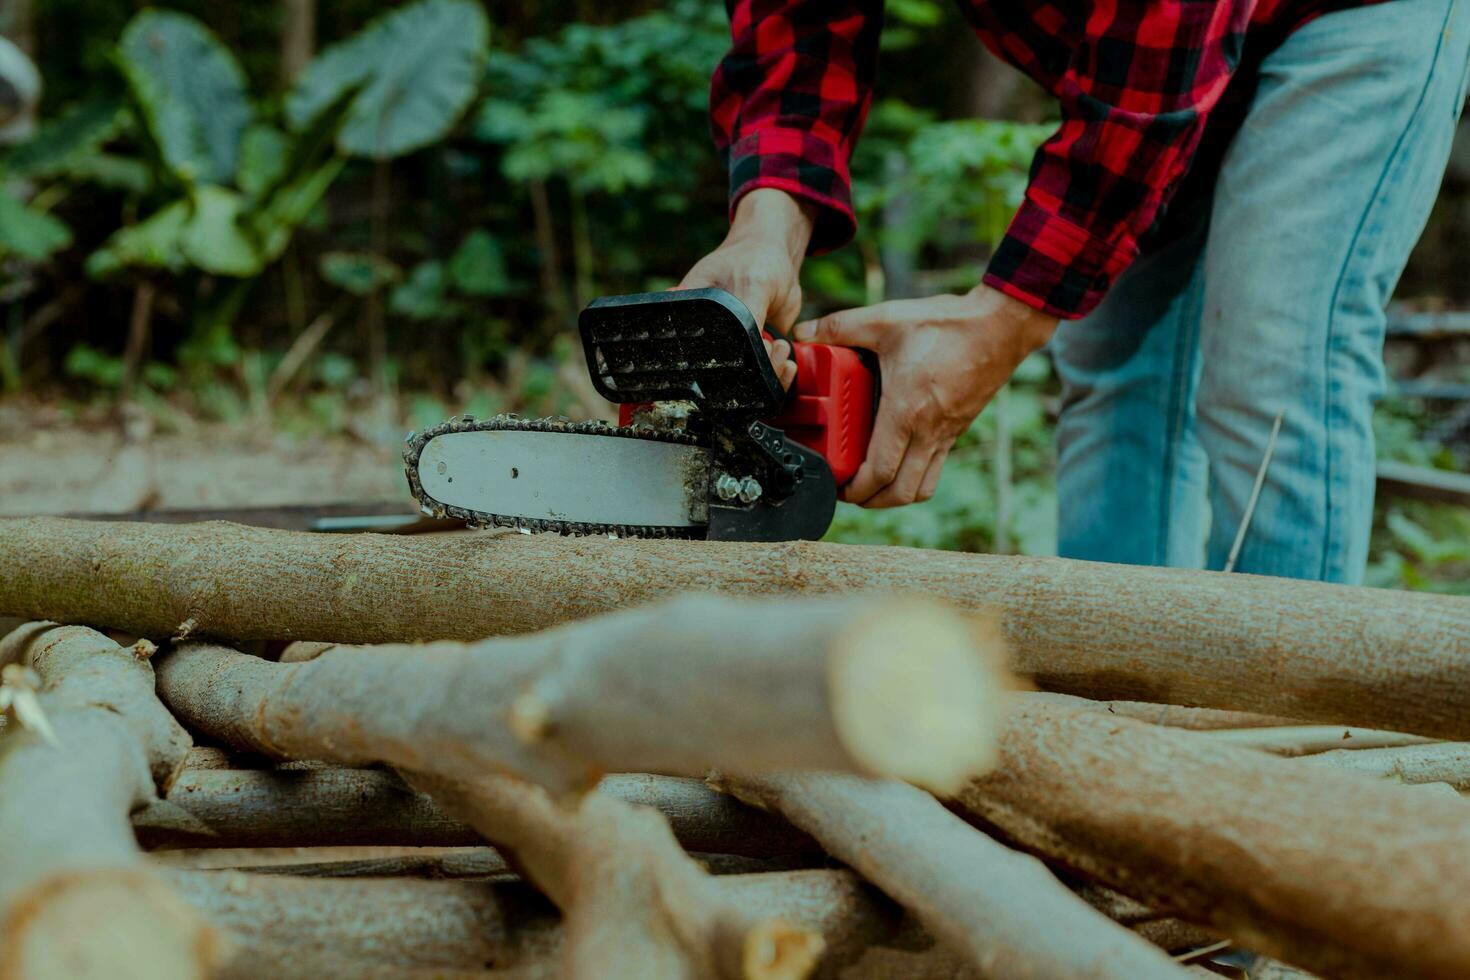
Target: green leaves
[[191, 92], [214, 239], [478, 267], [359, 273], [29, 233], [207, 231], [413, 70], [155, 243], [64, 144]]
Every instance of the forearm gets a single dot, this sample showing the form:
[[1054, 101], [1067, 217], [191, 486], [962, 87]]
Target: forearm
[[771, 217]]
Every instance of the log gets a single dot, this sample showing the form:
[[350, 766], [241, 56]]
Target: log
[[1173, 715], [899, 688], [337, 807], [635, 904], [343, 862], [1160, 928], [1322, 869], [1003, 910], [508, 926], [1300, 740], [1341, 655], [68, 854], [404, 923], [294, 963], [1437, 762]]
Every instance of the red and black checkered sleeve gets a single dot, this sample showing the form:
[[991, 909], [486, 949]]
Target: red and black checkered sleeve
[[788, 102], [1134, 98]]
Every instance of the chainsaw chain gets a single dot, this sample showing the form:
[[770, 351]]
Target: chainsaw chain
[[416, 441]]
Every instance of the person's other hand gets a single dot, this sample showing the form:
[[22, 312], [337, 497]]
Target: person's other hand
[[759, 262], [941, 360]]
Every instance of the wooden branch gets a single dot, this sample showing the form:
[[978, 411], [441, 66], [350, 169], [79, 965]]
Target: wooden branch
[[1322, 869], [508, 926], [342, 862], [1171, 715], [635, 903], [1002, 909], [395, 922], [333, 806], [1341, 655], [899, 688], [67, 854], [1160, 928], [1297, 740], [296, 963], [1438, 762]]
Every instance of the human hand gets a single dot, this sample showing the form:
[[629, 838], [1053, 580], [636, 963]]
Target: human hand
[[941, 360], [759, 262]]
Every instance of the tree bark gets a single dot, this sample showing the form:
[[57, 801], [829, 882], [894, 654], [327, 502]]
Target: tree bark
[[1003, 910], [1160, 928], [1391, 660], [890, 688], [1298, 740], [338, 807], [68, 854], [1321, 869], [1172, 715], [343, 862], [508, 926], [635, 904], [1438, 762], [298, 38]]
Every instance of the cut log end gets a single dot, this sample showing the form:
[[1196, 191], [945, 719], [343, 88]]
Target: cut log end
[[116, 924], [907, 654], [776, 950]]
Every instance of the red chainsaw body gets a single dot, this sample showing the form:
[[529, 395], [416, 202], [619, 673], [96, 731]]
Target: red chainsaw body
[[829, 408]]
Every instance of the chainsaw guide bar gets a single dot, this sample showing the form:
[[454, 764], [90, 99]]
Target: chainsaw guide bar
[[693, 476]]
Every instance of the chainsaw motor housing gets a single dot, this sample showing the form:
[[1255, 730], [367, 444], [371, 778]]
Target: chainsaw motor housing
[[779, 455]]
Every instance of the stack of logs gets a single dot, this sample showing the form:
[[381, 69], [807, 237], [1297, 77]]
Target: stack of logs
[[255, 753]]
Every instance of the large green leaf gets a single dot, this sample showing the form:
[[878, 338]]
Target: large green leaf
[[477, 268], [414, 71], [191, 92], [64, 143], [207, 232], [265, 156], [359, 273], [29, 233], [214, 239], [292, 204], [154, 243]]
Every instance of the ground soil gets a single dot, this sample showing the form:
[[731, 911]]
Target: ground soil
[[54, 463]]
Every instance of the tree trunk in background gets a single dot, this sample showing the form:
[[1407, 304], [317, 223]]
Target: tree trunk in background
[[298, 38], [18, 23], [552, 283], [139, 330], [373, 320], [996, 90]]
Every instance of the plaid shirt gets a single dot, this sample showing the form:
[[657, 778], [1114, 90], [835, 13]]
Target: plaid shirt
[[1136, 81]]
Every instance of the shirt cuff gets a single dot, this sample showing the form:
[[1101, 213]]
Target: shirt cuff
[[1055, 265], [803, 165]]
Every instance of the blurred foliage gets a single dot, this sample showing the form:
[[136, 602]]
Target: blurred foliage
[[449, 180]]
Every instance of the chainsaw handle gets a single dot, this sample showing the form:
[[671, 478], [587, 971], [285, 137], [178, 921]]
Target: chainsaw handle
[[831, 405], [703, 344]]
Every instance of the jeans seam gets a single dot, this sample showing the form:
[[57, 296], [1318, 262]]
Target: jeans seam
[[1178, 415], [1331, 400]]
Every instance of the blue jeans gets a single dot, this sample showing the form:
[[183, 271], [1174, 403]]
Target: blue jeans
[[1268, 297]]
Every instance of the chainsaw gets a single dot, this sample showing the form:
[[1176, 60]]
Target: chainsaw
[[708, 444]]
